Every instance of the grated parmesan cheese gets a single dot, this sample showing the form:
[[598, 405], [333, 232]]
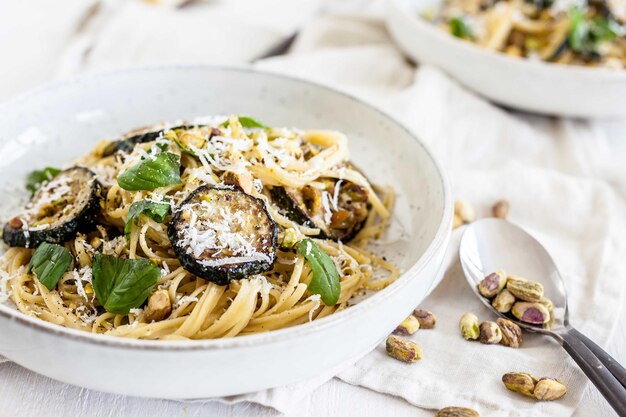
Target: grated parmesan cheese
[[114, 246], [266, 286], [180, 300], [327, 202], [87, 316], [335, 200], [317, 299], [165, 271], [5, 291], [258, 184], [84, 274], [201, 235]]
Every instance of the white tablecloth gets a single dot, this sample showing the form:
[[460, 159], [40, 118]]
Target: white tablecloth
[[572, 169]]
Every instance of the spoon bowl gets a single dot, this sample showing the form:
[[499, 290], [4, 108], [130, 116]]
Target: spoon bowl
[[489, 245]]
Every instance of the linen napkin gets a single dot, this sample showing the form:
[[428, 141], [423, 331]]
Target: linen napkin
[[563, 180], [563, 185]]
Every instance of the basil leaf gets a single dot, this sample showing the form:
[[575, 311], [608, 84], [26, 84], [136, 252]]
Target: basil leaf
[[156, 211], [36, 179], [578, 30], [248, 122], [603, 29], [49, 263], [585, 34], [121, 284], [325, 280], [459, 28], [151, 173]]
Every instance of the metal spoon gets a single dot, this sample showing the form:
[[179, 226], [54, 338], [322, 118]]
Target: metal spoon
[[492, 244]]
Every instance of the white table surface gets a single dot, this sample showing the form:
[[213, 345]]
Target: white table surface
[[25, 394]]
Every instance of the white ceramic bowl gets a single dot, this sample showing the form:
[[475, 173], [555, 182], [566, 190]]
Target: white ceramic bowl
[[53, 125], [518, 83]]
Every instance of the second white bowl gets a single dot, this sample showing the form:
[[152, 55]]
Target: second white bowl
[[519, 83]]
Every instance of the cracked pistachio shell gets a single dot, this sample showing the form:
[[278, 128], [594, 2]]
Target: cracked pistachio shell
[[511, 333]]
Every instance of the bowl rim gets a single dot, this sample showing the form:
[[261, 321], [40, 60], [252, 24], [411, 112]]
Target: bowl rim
[[525, 64], [274, 336]]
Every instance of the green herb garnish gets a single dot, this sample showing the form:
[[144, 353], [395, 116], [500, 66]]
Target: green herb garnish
[[187, 142], [156, 211], [248, 122], [585, 34], [122, 284], [49, 263], [36, 179], [151, 173], [325, 280], [459, 28]]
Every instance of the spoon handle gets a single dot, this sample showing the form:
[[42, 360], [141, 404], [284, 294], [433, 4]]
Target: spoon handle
[[608, 385], [606, 359]]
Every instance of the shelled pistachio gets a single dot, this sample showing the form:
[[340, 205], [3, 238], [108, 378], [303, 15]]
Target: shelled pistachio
[[457, 412], [403, 350], [521, 382], [500, 209], [544, 389], [463, 213], [548, 389], [503, 301], [492, 284], [525, 290], [547, 303], [426, 318], [490, 333], [469, 326], [464, 210], [532, 313], [409, 326]]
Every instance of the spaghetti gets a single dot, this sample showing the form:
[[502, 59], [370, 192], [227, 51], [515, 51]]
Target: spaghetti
[[343, 213]]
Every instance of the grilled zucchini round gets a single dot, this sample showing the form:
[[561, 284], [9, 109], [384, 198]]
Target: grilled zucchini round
[[339, 214], [223, 234], [58, 210]]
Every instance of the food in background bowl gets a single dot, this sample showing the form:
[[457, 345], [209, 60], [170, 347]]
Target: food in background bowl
[[560, 31], [213, 229]]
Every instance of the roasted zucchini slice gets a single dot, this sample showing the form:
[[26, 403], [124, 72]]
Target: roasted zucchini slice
[[223, 234], [58, 210], [127, 143], [339, 214]]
